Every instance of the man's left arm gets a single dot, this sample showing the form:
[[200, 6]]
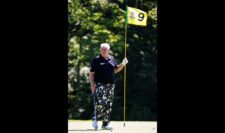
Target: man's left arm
[[120, 66]]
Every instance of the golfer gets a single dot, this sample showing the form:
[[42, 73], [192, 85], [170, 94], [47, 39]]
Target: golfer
[[103, 68]]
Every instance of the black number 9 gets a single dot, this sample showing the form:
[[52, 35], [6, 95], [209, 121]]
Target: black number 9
[[141, 16]]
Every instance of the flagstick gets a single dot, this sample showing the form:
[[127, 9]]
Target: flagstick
[[125, 52], [125, 55]]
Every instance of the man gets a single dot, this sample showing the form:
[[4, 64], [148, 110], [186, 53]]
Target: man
[[101, 77]]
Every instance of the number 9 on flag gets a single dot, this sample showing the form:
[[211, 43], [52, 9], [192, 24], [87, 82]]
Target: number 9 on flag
[[136, 17]]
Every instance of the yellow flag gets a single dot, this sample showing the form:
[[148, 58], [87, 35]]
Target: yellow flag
[[136, 16]]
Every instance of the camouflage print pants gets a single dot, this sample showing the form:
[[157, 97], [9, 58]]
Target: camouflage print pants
[[103, 100]]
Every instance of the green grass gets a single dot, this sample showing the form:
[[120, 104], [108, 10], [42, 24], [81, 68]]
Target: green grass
[[71, 120]]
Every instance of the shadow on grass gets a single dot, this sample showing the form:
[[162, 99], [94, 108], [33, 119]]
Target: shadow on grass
[[82, 130], [86, 130]]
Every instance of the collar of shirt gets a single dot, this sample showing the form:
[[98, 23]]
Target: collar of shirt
[[110, 57]]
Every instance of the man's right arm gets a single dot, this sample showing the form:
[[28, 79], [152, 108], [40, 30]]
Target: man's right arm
[[91, 76]]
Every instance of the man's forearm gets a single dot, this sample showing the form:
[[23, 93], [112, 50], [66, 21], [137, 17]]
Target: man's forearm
[[119, 68], [91, 77]]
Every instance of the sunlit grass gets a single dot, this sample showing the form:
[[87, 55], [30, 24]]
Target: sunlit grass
[[71, 120]]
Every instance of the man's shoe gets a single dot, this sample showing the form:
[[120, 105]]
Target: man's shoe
[[95, 124], [106, 128]]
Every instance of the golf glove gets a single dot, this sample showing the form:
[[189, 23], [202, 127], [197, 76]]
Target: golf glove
[[125, 61]]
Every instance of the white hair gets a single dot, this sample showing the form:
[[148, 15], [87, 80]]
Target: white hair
[[106, 45]]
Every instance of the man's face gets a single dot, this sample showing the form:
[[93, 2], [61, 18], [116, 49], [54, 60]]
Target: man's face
[[104, 52]]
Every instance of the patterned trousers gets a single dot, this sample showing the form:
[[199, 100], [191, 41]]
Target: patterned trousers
[[103, 100]]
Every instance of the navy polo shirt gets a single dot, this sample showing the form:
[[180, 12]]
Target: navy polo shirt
[[104, 69]]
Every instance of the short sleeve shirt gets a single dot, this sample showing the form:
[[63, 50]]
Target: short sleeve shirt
[[104, 69]]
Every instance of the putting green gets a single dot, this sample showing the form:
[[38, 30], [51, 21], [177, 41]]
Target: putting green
[[85, 126]]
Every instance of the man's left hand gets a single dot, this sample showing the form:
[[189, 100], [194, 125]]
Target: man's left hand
[[125, 61]]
